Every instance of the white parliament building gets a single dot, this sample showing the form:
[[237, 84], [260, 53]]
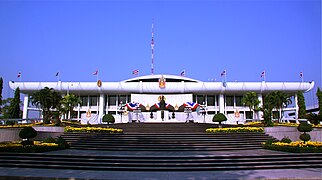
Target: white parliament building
[[201, 99]]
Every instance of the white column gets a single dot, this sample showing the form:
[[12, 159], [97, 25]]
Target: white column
[[101, 106], [25, 107], [221, 103], [260, 113], [296, 107], [78, 112]]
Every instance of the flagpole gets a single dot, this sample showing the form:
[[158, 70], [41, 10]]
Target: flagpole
[[264, 76]]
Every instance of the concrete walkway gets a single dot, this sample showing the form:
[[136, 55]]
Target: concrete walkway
[[29, 173]]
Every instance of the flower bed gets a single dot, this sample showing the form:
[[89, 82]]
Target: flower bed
[[93, 129], [296, 146], [37, 147], [237, 129]]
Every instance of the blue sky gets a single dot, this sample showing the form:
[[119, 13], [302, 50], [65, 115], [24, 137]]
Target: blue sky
[[40, 38]]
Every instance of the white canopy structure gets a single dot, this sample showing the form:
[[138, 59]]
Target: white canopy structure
[[222, 97]]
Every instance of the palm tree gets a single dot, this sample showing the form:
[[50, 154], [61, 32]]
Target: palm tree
[[251, 100], [68, 103], [46, 99], [278, 100]]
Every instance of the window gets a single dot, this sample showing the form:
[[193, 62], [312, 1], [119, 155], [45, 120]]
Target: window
[[211, 100], [128, 98], [112, 100], [84, 100], [122, 98], [93, 100], [229, 100], [249, 115], [238, 100], [201, 99]]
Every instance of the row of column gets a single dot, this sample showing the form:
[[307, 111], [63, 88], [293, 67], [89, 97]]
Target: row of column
[[102, 104]]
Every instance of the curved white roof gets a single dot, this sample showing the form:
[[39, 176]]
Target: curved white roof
[[174, 84], [168, 78]]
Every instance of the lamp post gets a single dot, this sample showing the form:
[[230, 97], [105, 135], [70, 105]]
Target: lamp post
[[121, 109], [203, 111]]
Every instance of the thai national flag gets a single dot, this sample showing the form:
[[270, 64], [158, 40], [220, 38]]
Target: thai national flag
[[19, 74], [223, 73], [263, 74], [135, 72], [183, 73]]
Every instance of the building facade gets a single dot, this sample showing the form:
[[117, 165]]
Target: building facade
[[99, 98]]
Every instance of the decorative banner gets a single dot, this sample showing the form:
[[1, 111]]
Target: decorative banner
[[132, 105], [191, 105], [158, 105], [162, 82], [88, 118]]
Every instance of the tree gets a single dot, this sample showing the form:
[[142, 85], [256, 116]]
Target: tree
[[1, 87], [305, 127], [109, 118], [301, 105], [220, 117], [319, 95], [251, 100], [278, 100], [14, 107], [46, 99], [68, 103], [27, 133]]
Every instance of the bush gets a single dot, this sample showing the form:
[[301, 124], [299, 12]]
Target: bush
[[286, 140], [304, 127], [305, 137], [27, 133], [314, 118], [109, 118], [10, 123], [219, 118]]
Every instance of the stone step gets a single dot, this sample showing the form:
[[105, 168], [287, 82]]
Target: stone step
[[159, 163]]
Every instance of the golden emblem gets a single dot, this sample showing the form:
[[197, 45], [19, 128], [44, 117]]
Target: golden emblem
[[162, 82], [88, 113], [99, 83]]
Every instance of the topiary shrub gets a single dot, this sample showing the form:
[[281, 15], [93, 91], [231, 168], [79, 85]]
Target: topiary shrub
[[305, 127], [286, 140], [220, 117], [27, 133], [109, 118]]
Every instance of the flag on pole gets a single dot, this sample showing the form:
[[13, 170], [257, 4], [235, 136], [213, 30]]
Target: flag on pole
[[223, 73], [183, 73], [263, 74], [19, 75], [95, 73], [135, 72], [301, 74], [57, 74]]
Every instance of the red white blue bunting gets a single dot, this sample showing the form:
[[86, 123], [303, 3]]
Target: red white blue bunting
[[133, 105], [191, 105]]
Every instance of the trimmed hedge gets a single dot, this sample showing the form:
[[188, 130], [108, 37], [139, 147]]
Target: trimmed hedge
[[237, 129], [93, 129], [308, 149]]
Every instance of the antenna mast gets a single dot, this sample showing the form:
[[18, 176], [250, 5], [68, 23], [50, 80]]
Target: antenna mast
[[152, 49]]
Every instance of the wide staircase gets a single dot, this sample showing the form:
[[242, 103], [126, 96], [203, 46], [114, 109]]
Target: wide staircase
[[166, 137], [163, 147]]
